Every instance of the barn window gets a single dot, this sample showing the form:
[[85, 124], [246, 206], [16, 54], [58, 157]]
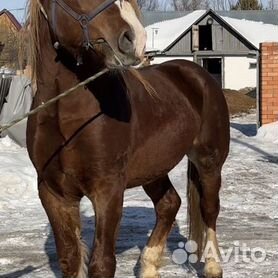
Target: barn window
[[205, 37], [252, 65]]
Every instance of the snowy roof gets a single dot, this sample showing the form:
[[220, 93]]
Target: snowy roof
[[254, 32], [169, 30], [162, 34]]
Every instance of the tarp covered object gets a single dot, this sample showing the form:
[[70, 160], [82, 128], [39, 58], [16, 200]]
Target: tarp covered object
[[5, 83], [18, 103]]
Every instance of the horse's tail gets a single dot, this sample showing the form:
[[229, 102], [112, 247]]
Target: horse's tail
[[195, 221], [84, 253]]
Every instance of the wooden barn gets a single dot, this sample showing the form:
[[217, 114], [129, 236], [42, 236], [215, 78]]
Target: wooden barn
[[225, 43], [9, 38]]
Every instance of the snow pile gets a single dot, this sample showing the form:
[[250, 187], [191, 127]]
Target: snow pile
[[269, 132], [17, 174], [6, 144], [255, 32], [169, 30]]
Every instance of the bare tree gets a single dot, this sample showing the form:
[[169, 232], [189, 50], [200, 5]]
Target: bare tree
[[189, 5], [181, 5], [222, 5], [196, 4], [247, 5], [273, 4], [148, 5], [141, 3]]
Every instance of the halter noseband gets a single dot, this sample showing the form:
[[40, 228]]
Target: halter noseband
[[83, 19]]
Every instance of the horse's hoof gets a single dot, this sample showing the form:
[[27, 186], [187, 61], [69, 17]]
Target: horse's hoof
[[213, 270], [150, 272]]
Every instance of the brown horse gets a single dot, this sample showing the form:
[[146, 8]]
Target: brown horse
[[129, 128]]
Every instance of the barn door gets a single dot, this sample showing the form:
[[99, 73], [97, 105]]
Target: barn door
[[214, 67]]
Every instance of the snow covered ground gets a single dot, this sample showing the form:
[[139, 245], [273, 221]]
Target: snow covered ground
[[249, 214]]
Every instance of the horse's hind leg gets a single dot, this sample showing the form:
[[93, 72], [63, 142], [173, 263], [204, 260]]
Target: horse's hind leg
[[207, 182], [210, 203], [64, 217], [167, 203]]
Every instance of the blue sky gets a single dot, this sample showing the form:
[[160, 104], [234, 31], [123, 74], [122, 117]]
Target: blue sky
[[14, 4]]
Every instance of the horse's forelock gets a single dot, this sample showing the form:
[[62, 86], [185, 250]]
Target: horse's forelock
[[137, 9]]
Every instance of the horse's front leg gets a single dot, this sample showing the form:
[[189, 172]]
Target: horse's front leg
[[63, 214], [107, 200]]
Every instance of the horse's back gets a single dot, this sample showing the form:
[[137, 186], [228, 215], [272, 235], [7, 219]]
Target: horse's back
[[188, 77], [203, 96], [194, 83]]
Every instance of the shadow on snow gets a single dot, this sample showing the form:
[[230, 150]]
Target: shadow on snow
[[136, 224]]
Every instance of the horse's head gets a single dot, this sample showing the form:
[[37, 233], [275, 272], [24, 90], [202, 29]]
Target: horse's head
[[110, 28]]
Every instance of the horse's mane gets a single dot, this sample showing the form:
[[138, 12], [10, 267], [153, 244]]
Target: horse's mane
[[33, 20], [146, 84]]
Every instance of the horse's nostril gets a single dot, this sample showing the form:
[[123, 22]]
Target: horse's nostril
[[129, 35], [126, 42]]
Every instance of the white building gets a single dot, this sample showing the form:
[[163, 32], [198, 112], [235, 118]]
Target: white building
[[227, 47]]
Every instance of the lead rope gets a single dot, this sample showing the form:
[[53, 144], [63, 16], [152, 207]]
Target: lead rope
[[53, 100]]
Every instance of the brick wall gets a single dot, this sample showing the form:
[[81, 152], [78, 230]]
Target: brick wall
[[269, 83]]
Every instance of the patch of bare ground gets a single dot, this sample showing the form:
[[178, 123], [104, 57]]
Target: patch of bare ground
[[240, 101]]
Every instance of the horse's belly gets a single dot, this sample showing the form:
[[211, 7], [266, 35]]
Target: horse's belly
[[156, 158]]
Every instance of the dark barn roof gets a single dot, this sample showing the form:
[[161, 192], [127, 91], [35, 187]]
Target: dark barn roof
[[265, 16], [153, 17], [12, 18]]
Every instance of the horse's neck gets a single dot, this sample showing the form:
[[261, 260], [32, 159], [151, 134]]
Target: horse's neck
[[51, 74], [57, 70], [46, 67]]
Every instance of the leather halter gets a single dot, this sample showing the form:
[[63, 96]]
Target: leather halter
[[83, 19]]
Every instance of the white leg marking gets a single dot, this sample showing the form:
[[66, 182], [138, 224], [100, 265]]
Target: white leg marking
[[128, 14], [212, 266], [150, 261]]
